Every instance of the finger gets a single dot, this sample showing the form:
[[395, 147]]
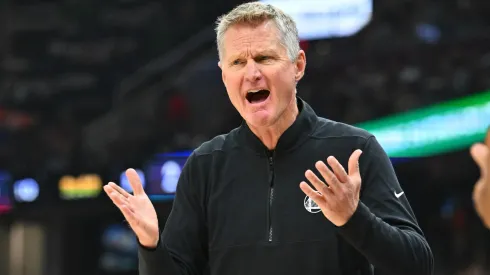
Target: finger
[[118, 199], [314, 195], [134, 181], [338, 169], [319, 185], [130, 216], [353, 165], [119, 189], [480, 154], [328, 175]]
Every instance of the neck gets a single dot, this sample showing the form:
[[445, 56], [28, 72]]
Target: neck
[[269, 135]]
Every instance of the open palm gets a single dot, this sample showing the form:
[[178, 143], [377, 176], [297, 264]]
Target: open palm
[[338, 194], [136, 208]]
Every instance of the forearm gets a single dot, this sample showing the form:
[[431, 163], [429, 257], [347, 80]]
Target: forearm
[[388, 248]]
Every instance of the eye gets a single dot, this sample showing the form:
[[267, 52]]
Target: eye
[[263, 58], [236, 62]]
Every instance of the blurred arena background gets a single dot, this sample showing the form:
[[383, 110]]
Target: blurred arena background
[[89, 88]]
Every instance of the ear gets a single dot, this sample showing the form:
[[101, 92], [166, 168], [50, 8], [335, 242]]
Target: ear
[[222, 73], [300, 65]]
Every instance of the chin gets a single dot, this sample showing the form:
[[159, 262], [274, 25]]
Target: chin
[[259, 119]]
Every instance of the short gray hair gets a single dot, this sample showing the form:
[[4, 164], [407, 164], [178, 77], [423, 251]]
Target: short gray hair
[[256, 13]]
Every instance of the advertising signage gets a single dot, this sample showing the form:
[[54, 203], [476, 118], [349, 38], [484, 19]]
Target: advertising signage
[[437, 129], [84, 186], [160, 175], [5, 201]]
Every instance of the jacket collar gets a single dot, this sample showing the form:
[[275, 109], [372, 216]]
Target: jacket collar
[[295, 135]]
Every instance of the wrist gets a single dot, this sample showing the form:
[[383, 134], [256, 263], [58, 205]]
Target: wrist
[[149, 244], [350, 214]]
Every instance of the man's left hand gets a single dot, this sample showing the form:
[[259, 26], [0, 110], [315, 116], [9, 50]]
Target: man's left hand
[[338, 196]]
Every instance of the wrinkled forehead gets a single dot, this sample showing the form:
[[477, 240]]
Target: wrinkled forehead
[[248, 39]]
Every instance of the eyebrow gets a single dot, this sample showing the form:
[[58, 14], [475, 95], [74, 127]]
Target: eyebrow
[[259, 53]]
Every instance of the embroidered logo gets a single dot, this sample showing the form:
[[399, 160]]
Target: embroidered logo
[[311, 206]]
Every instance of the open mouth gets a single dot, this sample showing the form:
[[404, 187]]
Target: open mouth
[[257, 96]]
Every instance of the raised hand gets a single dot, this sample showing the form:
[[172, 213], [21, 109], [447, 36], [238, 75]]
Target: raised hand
[[481, 192], [338, 196], [137, 209]]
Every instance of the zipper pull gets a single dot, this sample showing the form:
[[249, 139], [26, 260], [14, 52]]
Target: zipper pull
[[271, 157]]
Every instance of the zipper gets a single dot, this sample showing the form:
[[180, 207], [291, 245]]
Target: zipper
[[271, 195]]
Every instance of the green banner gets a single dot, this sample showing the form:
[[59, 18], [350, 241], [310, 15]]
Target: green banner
[[441, 128]]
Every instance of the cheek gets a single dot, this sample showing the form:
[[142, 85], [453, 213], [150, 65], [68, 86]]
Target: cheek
[[232, 85], [283, 81]]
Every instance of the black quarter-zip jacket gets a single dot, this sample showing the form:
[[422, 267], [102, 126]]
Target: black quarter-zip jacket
[[238, 210]]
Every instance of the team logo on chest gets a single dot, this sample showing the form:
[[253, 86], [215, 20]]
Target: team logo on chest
[[311, 206]]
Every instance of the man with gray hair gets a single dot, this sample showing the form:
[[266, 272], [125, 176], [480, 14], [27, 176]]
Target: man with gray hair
[[282, 193]]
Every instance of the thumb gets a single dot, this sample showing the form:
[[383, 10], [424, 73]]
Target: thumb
[[134, 181], [354, 163], [480, 154]]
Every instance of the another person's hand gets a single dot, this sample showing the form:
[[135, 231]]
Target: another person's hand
[[481, 192], [137, 209], [339, 197]]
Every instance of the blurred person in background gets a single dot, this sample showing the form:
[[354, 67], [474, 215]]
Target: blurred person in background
[[481, 192], [239, 208]]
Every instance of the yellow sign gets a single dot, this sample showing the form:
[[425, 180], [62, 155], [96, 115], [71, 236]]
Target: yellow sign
[[84, 186]]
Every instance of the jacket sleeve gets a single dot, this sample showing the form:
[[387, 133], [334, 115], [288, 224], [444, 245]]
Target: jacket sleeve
[[384, 228], [182, 249]]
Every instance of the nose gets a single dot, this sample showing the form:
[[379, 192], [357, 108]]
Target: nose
[[253, 73]]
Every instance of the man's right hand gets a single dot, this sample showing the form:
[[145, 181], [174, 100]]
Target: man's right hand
[[137, 209], [481, 192]]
